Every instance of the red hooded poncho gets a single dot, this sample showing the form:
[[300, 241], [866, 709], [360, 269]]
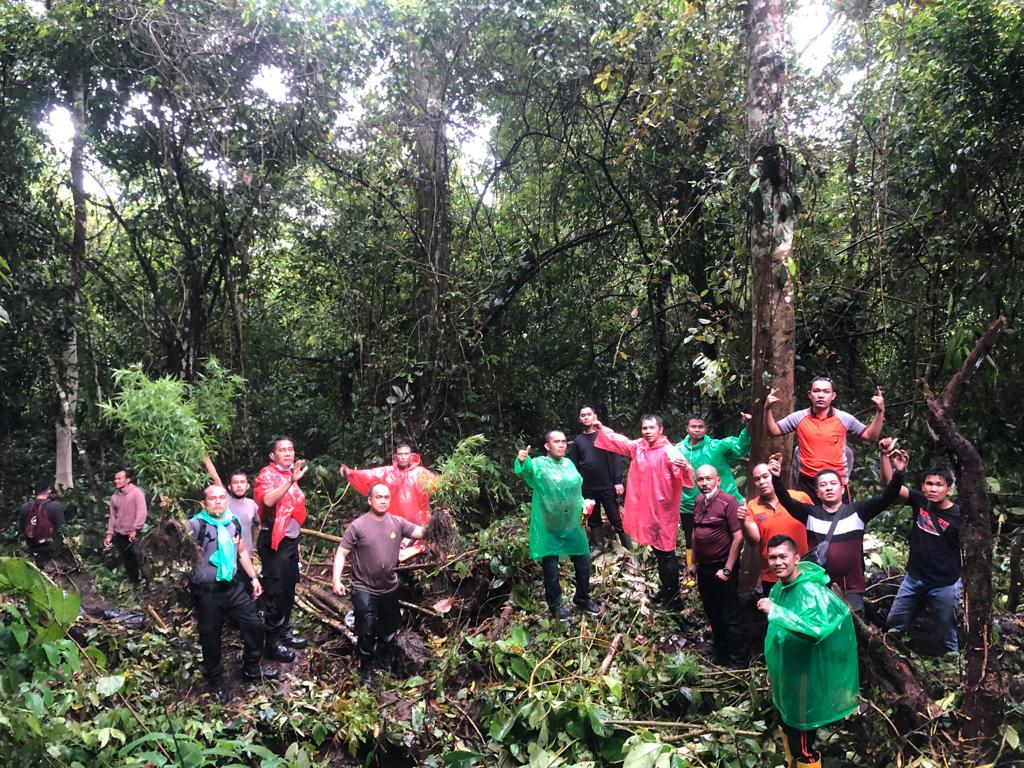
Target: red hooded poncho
[[291, 505], [653, 488], [410, 487]]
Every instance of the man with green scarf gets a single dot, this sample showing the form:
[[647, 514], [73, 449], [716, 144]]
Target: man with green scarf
[[699, 450], [810, 650], [219, 595]]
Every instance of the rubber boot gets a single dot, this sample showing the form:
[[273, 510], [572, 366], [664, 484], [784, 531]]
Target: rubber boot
[[812, 762], [626, 542], [790, 762], [689, 581], [596, 535]]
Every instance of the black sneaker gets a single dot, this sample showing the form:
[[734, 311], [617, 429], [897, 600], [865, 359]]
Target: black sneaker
[[561, 613], [260, 673], [278, 652], [587, 606], [294, 641], [672, 603], [218, 692]]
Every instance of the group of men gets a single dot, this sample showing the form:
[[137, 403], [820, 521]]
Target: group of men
[[692, 483], [805, 538]]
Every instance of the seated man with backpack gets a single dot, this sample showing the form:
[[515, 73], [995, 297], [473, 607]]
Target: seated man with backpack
[[42, 523]]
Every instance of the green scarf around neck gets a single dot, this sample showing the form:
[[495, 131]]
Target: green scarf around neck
[[225, 557]]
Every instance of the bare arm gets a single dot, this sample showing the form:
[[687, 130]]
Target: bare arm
[[770, 424], [734, 550], [249, 568], [212, 470], [418, 533], [874, 430], [339, 565]]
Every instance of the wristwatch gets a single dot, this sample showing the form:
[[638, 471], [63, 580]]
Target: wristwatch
[[726, 571]]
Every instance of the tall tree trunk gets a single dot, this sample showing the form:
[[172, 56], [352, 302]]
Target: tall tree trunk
[[982, 688], [67, 379], [771, 228], [433, 225]]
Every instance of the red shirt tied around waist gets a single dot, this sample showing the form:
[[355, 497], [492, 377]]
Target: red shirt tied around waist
[[821, 429], [277, 493]]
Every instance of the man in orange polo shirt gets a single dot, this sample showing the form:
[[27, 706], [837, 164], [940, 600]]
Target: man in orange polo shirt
[[765, 517], [821, 432]]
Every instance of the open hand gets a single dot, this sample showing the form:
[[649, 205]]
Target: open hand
[[299, 470]]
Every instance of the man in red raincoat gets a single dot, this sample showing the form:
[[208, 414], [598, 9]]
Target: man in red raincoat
[[657, 474], [410, 485], [282, 511]]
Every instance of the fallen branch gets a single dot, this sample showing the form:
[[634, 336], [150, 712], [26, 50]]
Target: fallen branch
[[321, 535], [672, 725], [421, 609], [161, 624], [326, 620], [610, 656]]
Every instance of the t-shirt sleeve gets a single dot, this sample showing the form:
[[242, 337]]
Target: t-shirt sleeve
[[853, 425], [790, 423], [350, 538], [731, 517], [407, 528]]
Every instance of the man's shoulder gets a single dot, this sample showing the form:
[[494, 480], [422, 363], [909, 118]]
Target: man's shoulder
[[800, 496], [728, 501]]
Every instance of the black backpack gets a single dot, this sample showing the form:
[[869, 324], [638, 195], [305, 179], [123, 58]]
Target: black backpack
[[37, 526]]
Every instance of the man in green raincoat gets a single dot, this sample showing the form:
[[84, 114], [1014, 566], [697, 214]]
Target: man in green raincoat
[[556, 521], [699, 449], [810, 650]]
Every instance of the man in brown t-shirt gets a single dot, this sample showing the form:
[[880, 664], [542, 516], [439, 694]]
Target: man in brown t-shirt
[[717, 538], [371, 543]]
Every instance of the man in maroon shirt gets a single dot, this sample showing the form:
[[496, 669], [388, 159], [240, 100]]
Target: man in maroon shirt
[[717, 539]]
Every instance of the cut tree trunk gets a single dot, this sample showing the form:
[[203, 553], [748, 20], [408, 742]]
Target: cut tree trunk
[[983, 698]]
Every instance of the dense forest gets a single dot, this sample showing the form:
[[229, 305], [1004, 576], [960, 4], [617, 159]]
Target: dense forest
[[357, 222]]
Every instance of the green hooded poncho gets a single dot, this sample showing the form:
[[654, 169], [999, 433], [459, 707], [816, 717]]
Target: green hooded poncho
[[717, 453], [811, 652], [555, 527]]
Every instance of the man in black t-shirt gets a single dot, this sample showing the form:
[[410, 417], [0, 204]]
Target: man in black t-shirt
[[933, 567], [42, 535], [602, 482]]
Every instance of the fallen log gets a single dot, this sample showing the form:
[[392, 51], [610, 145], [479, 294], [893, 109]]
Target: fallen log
[[320, 535], [332, 623], [610, 656]]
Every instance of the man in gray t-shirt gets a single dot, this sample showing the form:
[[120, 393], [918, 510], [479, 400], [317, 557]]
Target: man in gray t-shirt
[[371, 544], [242, 507]]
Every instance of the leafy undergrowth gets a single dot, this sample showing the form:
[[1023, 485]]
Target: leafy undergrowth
[[485, 678]]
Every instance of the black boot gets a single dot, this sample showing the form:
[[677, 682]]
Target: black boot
[[292, 640], [561, 613], [257, 673], [597, 543], [218, 691], [625, 541], [276, 651]]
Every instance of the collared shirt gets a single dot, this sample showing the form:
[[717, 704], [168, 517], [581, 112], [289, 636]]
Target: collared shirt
[[714, 523], [822, 439], [773, 519]]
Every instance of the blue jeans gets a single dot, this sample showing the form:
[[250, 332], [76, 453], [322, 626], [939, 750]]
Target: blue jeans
[[915, 595]]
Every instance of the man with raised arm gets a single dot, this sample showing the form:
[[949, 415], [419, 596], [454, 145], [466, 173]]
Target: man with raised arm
[[699, 449], [282, 511], [371, 544], [602, 482], [717, 539], [933, 567], [821, 432], [844, 560], [657, 475], [556, 521], [766, 518], [810, 650], [219, 594], [410, 484]]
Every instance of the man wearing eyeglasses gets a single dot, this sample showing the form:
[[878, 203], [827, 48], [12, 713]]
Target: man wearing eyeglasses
[[821, 432]]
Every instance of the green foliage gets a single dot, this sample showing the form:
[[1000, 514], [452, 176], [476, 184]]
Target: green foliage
[[168, 426], [459, 484]]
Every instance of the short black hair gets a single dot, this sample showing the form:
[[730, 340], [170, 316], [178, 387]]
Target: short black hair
[[781, 540], [822, 378], [128, 472], [404, 444], [695, 416], [652, 417], [241, 472], [42, 486], [587, 405], [822, 472], [939, 471], [272, 443], [550, 432]]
